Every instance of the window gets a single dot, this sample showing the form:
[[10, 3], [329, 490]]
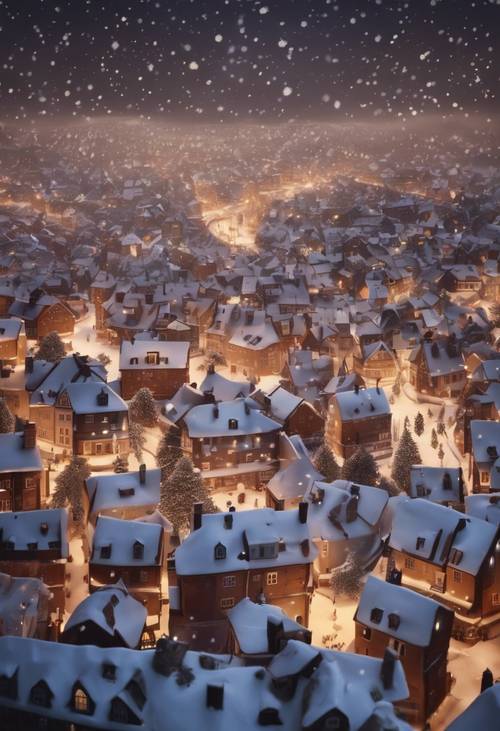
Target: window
[[376, 615], [106, 551], [324, 548], [457, 577], [232, 424], [409, 563], [367, 633], [272, 578], [153, 358], [485, 478], [81, 701], [256, 578], [420, 543], [229, 581], [227, 602], [89, 418], [41, 695], [138, 550], [143, 576], [495, 599], [220, 552], [399, 647]]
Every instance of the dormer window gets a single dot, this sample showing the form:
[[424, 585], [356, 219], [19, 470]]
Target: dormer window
[[152, 358], [134, 361], [220, 552], [102, 398], [105, 551], [232, 424], [108, 671], [420, 543], [41, 695], [376, 615], [264, 550], [138, 550], [394, 620], [81, 701]]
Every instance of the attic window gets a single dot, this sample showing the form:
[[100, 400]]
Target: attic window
[[108, 671], [102, 398], [126, 491], [138, 550], [105, 551], [220, 552], [44, 528], [81, 701], [456, 556], [376, 615], [153, 358], [420, 543], [41, 695], [232, 424], [32, 546], [134, 361], [394, 620]]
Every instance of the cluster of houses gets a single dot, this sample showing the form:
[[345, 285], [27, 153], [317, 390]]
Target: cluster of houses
[[353, 293]]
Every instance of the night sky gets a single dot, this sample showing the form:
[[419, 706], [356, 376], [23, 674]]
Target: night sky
[[249, 59]]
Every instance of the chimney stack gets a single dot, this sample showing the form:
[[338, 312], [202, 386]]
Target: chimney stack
[[215, 697], [197, 515], [142, 474], [303, 508], [28, 364], [228, 521], [29, 436], [387, 668]]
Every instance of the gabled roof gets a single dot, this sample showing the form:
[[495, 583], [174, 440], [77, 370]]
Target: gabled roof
[[212, 420], [15, 458], [121, 535], [361, 404]]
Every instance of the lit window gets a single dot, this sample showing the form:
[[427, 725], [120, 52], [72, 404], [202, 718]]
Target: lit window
[[272, 578], [227, 602], [229, 581], [81, 701]]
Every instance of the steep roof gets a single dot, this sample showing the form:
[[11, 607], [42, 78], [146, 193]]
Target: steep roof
[[210, 420]]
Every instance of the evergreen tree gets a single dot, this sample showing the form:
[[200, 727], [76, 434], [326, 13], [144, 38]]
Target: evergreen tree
[[51, 348], [7, 419], [361, 468], [389, 486], [434, 439], [212, 358], [137, 439], [418, 425], [120, 464], [407, 454], [142, 408], [70, 487], [396, 389], [325, 463], [406, 423], [168, 454], [180, 491], [441, 453], [346, 579], [441, 429]]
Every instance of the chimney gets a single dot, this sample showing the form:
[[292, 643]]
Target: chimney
[[215, 697], [142, 474], [29, 436], [351, 511], [387, 668], [216, 411], [28, 364], [378, 387], [356, 388], [395, 576], [228, 521], [486, 680], [197, 515], [303, 508], [274, 636]]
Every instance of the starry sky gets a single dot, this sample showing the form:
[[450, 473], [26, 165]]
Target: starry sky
[[248, 59]]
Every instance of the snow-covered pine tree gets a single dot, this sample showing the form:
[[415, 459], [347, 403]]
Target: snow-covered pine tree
[[51, 348], [434, 439], [325, 463], [180, 491], [361, 468], [441, 453], [137, 439], [346, 579], [389, 486], [440, 428], [142, 408], [406, 455], [419, 425], [212, 358], [7, 418], [168, 454], [120, 465], [70, 487]]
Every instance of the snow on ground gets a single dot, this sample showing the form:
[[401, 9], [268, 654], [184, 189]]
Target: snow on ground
[[84, 341]]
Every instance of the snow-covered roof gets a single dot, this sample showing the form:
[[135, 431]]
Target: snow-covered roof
[[483, 712], [15, 458], [85, 398], [210, 420], [10, 328], [224, 389], [249, 622], [123, 490], [296, 473], [21, 601], [181, 402], [249, 528], [48, 380], [126, 618], [431, 483], [416, 614], [120, 536], [437, 526], [171, 354], [486, 507], [485, 438], [40, 527], [442, 360], [362, 404]]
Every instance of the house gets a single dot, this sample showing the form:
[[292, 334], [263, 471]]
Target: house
[[224, 389], [359, 418], [12, 341], [418, 630], [126, 495], [287, 487], [23, 484], [482, 712], [260, 631], [307, 376], [110, 617], [131, 551], [485, 454], [345, 519], [462, 278], [437, 367], [171, 687], [263, 554], [42, 314], [161, 366], [24, 607], [376, 363], [296, 415], [451, 557], [486, 507], [231, 442], [35, 543], [444, 485]]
